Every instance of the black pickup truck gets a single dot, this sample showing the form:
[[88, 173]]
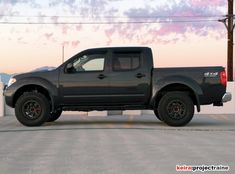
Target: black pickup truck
[[115, 79]]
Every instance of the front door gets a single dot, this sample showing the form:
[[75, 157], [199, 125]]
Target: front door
[[83, 80]]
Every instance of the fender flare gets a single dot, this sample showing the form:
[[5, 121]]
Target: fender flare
[[190, 83], [37, 81]]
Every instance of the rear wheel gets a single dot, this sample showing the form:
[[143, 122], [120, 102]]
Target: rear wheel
[[176, 108], [32, 109], [54, 115]]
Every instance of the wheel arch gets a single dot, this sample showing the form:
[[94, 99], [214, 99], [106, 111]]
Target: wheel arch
[[37, 85], [189, 86], [31, 88]]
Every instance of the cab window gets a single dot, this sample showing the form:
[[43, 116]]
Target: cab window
[[126, 61], [87, 63]]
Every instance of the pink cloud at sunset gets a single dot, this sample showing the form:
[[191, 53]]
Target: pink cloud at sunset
[[98, 8], [75, 43], [208, 2], [48, 35]]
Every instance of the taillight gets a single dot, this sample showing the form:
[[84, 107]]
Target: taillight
[[223, 78]]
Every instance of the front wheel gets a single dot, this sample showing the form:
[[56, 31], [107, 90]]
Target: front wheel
[[176, 108], [32, 109]]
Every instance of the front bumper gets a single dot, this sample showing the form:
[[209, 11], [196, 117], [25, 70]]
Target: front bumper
[[227, 97], [8, 97]]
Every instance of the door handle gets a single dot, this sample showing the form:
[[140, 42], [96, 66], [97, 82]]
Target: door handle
[[101, 76], [140, 75]]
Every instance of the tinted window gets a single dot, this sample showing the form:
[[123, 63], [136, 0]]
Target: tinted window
[[126, 62], [85, 63]]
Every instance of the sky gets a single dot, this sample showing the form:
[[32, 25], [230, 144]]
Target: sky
[[164, 25]]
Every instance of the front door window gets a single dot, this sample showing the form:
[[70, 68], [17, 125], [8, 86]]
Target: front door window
[[87, 63]]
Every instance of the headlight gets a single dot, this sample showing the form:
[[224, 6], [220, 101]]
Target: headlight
[[11, 81]]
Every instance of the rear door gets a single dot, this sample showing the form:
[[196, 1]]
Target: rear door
[[129, 79]]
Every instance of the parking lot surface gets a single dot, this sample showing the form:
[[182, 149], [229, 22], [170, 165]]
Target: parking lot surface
[[115, 145]]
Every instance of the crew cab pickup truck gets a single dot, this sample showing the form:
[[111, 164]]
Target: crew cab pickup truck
[[115, 79]]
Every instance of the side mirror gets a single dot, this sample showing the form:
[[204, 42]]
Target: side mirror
[[69, 68]]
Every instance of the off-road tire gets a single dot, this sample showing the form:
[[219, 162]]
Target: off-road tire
[[32, 109], [176, 108], [157, 115]]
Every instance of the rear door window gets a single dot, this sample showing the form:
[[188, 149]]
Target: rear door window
[[126, 61]]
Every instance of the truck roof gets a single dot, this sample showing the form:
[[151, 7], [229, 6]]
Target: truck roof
[[126, 48]]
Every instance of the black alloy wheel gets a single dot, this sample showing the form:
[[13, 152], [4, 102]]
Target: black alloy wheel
[[32, 109], [176, 108]]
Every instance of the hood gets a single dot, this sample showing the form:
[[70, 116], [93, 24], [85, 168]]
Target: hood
[[44, 68], [40, 72]]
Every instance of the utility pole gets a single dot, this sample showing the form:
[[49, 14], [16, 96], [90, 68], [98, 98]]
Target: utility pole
[[63, 53], [229, 24], [230, 40]]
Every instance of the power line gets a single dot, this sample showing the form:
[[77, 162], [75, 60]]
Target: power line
[[105, 23], [128, 19], [121, 17]]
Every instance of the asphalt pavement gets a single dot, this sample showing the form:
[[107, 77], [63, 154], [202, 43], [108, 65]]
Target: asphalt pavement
[[116, 145]]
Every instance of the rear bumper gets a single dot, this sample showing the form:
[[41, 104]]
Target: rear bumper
[[227, 97]]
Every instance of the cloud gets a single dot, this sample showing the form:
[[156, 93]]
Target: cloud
[[54, 19], [95, 10], [65, 43], [58, 2], [171, 11], [208, 2], [82, 10], [65, 29], [12, 3], [75, 43], [78, 27], [48, 35]]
